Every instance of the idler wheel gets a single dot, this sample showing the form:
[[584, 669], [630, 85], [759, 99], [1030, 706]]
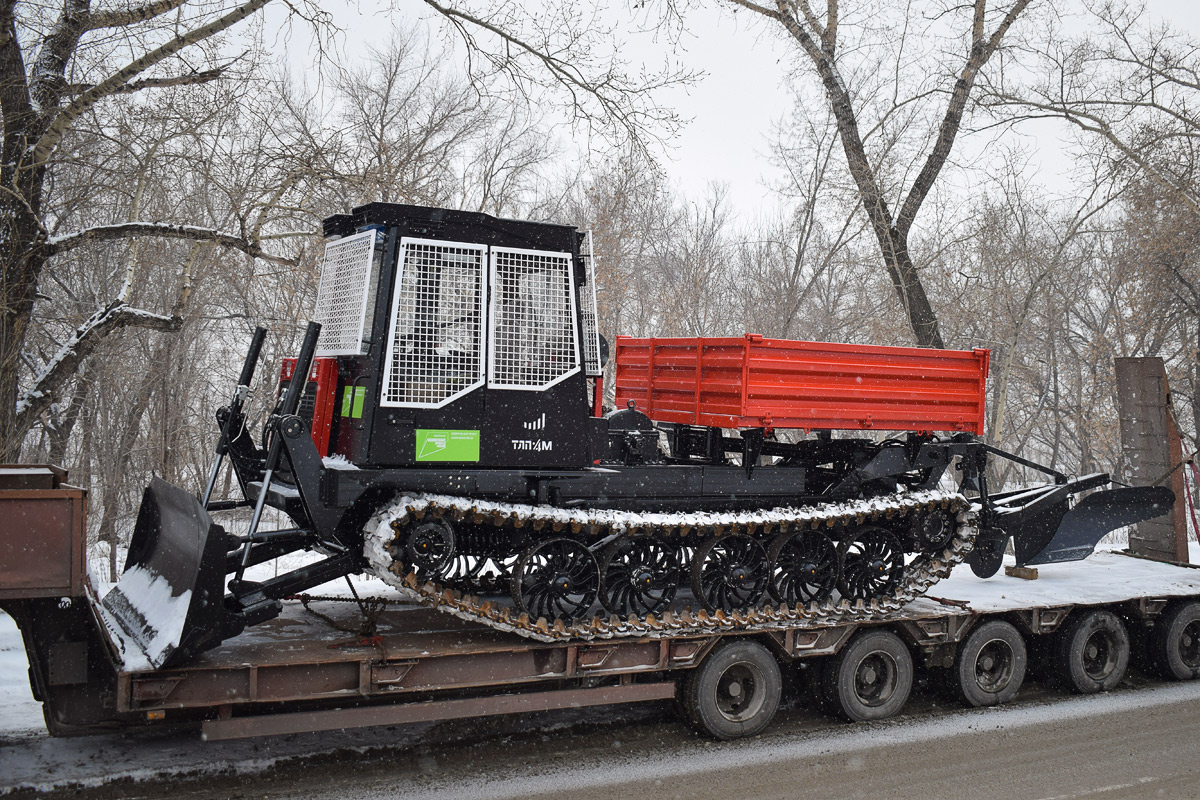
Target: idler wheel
[[933, 530], [555, 578], [638, 576], [729, 573], [872, 564], [429, 547], [804, 567]]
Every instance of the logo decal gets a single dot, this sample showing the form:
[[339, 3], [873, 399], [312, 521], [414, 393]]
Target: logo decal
[[533, 444], [538, 424], [435, 445]]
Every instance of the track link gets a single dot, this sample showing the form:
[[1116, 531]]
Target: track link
[[919, 574]]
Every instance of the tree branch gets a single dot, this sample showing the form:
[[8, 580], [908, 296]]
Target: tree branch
[[128, 230], [132, 16], [14, 89], [67, 116], [50, 66], [190, 79], [981, 51], [79, 346]]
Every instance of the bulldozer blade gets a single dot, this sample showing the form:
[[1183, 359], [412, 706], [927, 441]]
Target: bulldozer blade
[[1080, 529], [169, 601]]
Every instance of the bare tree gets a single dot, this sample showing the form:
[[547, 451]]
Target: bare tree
[[55, 74], [892, 210]]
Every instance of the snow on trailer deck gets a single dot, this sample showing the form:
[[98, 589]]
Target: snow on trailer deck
[[344, 680], [1102, 578]]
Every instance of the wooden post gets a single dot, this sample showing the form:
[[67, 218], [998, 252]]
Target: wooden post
[[1151, 448]]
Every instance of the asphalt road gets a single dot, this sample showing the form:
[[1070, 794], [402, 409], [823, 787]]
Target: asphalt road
[[1133, 744]]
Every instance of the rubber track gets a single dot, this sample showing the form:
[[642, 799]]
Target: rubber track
[[920, 573]]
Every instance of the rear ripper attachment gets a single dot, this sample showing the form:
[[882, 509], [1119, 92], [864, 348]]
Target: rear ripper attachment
[[441, 426]]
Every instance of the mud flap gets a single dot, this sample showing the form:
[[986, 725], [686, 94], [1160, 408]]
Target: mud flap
[[1057, 535], [169, 602]]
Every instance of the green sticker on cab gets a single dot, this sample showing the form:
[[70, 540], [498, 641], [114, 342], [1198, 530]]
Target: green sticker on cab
[[433, 445], [352, 401]]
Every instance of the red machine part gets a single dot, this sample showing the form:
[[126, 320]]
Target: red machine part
[[322, 389], [753, 382]]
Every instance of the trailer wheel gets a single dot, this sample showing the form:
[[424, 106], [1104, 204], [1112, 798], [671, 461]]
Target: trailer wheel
[[990, 665], [870, 678], [1174, 645], [1092, 652], [734, 692]]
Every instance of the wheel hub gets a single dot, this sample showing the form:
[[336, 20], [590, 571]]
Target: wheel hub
[[738, 697], [1189, 645], [994, 666], [1099, 656], [875, 679]]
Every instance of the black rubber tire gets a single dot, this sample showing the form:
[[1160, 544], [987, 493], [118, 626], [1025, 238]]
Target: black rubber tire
[[871, 678], [734, 692], [1174, 643], [1091, 652], [990, 665]]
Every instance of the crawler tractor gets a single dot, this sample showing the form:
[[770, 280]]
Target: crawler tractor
[[442, 427]]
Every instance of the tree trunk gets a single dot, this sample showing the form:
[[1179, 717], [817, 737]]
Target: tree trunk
[[22, 252], [907, 283]]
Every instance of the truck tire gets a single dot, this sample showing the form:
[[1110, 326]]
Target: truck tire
[[990, 665], [1174, 645], [1092, 652], [734, 692], [870, 678]]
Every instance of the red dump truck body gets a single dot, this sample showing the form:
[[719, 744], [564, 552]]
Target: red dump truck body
[[754, 382]]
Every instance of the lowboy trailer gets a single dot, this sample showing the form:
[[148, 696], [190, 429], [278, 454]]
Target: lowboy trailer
[[300, 672]]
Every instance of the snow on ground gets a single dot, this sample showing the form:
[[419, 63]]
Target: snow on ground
[[20, 714]]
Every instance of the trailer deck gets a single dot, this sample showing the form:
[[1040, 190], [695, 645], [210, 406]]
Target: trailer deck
[[317, 667], [422, 665]]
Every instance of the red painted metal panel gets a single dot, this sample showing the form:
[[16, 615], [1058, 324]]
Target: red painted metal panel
[[753, 382], [323, 384]]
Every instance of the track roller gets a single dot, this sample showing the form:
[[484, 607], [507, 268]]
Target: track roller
[[638, 576], [990, 665], [872, 563], [870, 678], [1091, 652], [734, 692], [555, 578], [804, 567], [729, 572]]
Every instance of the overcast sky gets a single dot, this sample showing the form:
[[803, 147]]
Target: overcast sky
[[735, 105], [732, 108]]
